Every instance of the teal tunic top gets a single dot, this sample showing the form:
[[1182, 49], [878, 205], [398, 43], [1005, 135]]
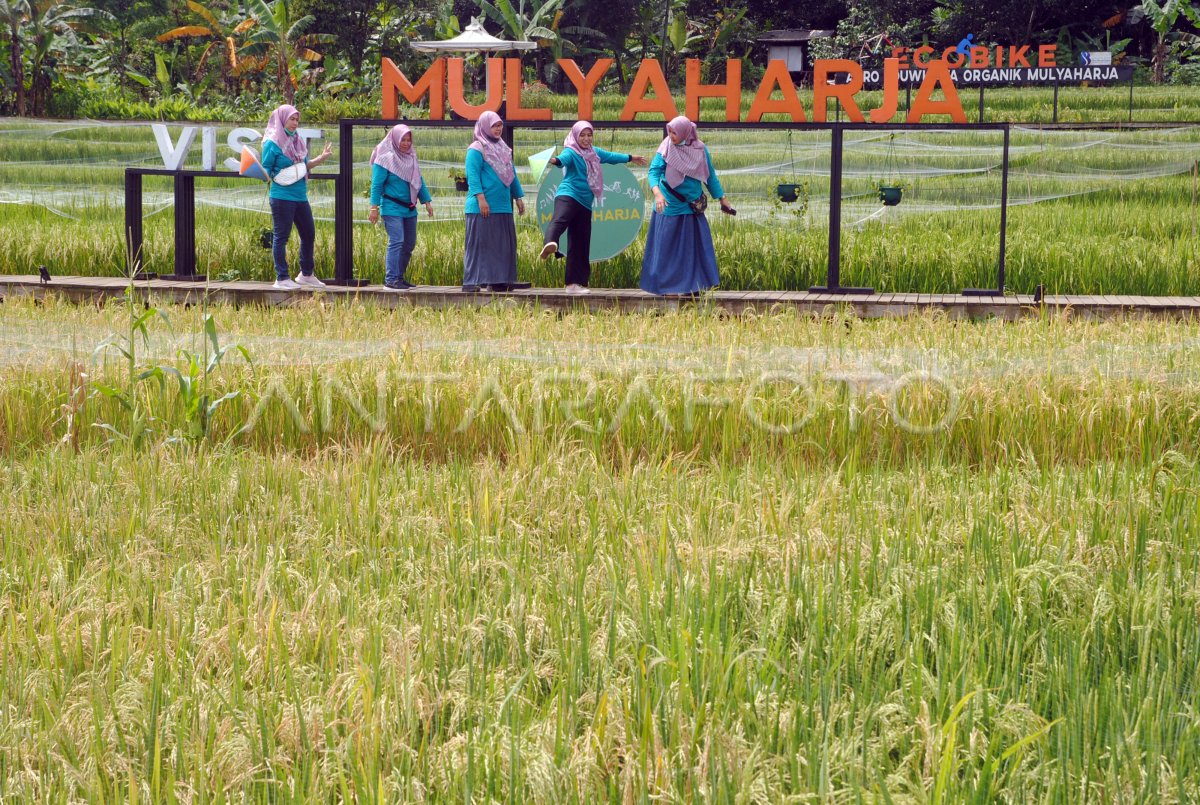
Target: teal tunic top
[[482, 178], [384, 183], [574, 183], [273, 161], [689, 188]]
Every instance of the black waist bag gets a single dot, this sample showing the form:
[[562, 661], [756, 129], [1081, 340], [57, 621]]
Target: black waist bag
[[408, 205], [698, 205]]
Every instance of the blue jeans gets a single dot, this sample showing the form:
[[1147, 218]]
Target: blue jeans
[[283, 215], [402, 239]]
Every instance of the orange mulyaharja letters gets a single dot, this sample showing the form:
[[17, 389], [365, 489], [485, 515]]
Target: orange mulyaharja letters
[[731, 90], [458, 102], [512, 95], [844, 93], [433, 83], [891, 92], [776, 75], [938, 75], [649, 75], [444, 81], [585, 85]]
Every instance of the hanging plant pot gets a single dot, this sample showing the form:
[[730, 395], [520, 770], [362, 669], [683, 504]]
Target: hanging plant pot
[[460, 183], [787, 192], [890, 194], [266, 238]]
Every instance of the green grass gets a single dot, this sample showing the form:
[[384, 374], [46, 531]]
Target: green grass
[[537, 605]]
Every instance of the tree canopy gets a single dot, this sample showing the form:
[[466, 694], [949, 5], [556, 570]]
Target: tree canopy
[[66, 57]]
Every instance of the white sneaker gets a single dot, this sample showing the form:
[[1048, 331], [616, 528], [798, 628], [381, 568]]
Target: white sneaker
[[549, 250], [309, 280], [577, 289], [286, 285]]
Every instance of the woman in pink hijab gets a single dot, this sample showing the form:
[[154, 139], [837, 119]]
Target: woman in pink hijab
[[397, 187], [679, 257], [490, 254], [283, 148], [581, 186]]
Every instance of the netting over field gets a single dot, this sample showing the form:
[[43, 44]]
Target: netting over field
[[71, 168]]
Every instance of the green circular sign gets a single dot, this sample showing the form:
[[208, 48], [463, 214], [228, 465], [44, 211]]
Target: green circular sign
[[616, 220]]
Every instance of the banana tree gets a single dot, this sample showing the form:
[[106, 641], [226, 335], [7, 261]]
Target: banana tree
[[50, 27], [527, 25], [223, 31], [280, 36], [13, 14], [1161, 18]]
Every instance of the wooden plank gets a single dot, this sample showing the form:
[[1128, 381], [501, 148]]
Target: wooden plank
[[631, 299]]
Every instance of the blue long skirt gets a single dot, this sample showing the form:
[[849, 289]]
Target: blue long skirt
[[679, 255], [490, 253]]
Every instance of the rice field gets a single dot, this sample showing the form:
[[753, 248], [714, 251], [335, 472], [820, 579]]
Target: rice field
[[1091, 212], [339, 553]]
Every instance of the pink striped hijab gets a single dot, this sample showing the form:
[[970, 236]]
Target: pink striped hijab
[[495, 151], [292, 145], [689, 158], [404, 165], [595, 173]]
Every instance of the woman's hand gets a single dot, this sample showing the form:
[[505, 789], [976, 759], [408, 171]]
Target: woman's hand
[[312, 163], [429, 208], [660, 203], [484, 208], [725, 203], [520, 206], [373, 215], [636, 160]]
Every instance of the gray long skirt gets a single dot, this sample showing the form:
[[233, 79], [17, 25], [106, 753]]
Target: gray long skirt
[[490, 257]]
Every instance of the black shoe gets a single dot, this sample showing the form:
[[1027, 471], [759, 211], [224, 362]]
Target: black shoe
[[405, 285], [499, 287], [471, 289], [393, 286]]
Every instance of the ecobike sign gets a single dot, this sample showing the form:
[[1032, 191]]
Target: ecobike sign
[[999, 64], [616, 219]]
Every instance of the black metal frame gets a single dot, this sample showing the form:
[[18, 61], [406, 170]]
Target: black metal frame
[[185, 219], [343, 212], [185, 212]]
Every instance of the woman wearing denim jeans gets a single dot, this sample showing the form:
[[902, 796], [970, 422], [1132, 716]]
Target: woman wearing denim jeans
[[396, 188], [283, 148]]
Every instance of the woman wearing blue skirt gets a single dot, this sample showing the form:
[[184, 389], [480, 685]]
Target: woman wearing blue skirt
[[493, 189], [679, 256]]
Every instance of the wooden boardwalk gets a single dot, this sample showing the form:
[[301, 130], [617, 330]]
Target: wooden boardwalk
[[879, 305]]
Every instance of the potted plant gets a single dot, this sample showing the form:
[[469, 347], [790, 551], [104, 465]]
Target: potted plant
[[460, 181], [796, 194], [787, 192], [890, 194]]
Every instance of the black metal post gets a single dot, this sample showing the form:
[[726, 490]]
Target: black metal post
[[908, 93], [1055, 100], [185, 230], [999, 289], [980, 102], [1131, 97], [133, 223], [1004, 210], [833, 279], [343, 210]]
